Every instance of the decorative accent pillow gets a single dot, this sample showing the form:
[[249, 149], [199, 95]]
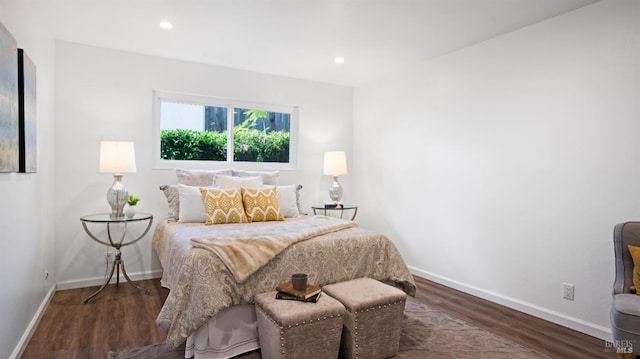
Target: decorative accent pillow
[[288, 200], [173, 200], [635, 254], [268, 177], [223, 206], [225, 182], [199, 178], [191, 205], [261, 205]]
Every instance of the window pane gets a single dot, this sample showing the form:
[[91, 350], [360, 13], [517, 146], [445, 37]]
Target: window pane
[[261, 136], [196, 132], [192, 132]]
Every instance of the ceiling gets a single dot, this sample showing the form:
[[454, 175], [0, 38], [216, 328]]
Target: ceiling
[[294, 38]]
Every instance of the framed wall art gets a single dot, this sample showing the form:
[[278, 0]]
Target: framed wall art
[[9, 152], [27, 113]]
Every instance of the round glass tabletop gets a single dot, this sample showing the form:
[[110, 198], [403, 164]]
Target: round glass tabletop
[[106, 218]]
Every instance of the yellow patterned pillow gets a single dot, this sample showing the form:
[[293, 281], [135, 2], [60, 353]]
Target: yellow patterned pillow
[[635, 255], [261, 205], [223, 206]]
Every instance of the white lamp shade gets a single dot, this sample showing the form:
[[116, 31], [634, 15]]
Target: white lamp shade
[[335, 163], [117, 157]]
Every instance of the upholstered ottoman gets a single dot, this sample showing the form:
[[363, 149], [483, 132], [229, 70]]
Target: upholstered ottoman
[[293, 329], [374, 315]]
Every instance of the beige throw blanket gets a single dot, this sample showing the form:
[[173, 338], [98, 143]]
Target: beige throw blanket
[[246, 251]]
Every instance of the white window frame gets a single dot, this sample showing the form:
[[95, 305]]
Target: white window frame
[[229, 104]]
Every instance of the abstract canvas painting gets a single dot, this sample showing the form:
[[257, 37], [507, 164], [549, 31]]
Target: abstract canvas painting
[[8, 102], [27, 112]]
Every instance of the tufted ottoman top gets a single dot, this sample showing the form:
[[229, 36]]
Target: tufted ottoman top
[[290, 312], [364, 293]]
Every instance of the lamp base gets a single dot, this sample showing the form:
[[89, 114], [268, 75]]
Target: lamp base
[[335, 190], [117, 197]]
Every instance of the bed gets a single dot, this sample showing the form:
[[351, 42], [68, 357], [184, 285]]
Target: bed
[[212, 287]]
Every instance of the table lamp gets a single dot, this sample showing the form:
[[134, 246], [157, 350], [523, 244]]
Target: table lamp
[[335, 164], [117, 158]]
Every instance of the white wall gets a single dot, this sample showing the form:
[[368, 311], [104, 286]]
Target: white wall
[[501, 169], [104, 94], [26, 220]]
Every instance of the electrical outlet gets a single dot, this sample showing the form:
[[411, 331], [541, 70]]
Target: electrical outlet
[[568, 291]]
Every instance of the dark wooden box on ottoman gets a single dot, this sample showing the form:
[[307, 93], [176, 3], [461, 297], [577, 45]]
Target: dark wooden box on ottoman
[[374, 316], [299, 330]]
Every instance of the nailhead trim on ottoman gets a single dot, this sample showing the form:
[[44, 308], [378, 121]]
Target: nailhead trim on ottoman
[[374, 316], [299, 330]]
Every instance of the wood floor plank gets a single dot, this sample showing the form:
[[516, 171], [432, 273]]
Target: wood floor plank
[[122, 318]]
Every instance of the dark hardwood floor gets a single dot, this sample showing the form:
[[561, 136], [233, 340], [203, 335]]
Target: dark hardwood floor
[[526, 330], [121, 318]]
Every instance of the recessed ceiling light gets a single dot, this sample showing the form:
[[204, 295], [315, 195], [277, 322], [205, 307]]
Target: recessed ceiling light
[[166, 25], [338, 60]]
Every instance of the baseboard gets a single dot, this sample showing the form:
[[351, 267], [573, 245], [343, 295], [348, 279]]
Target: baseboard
[[90, 282], [31, 328], [580, 325]]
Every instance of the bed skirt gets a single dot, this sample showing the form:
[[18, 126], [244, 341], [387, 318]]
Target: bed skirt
[[230, 333]]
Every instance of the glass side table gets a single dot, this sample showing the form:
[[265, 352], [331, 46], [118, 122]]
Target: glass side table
[[337, 210], [118, 263]]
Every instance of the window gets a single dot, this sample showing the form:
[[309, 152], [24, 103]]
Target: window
[[198, 132]]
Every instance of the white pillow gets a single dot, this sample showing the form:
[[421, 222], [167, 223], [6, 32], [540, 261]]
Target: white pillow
[[288, 199], [268, 177], [191, 205], [228, 182], [202, 178]]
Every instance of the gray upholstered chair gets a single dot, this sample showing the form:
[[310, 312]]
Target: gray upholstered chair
[[625, 311]]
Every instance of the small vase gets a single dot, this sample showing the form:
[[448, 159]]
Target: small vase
[[129, 211]]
